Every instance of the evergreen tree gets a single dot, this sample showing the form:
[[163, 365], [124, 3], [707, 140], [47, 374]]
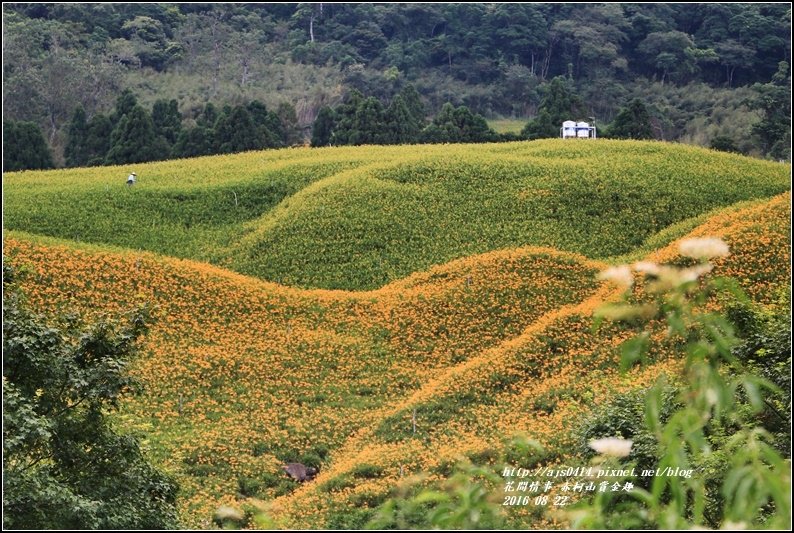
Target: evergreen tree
[[724, 143], [401, 126], [201, 139], [360, 120], [434, 134], [167, 120], [323, 128], [24, 147], [76, 152], [269, 131], [472, 127], [235, 132], [125, 103], [458, 125], [288, 120], [208, 117], [134, 140], [416, 108], [443, 127], [346, 118], [97, 140], [632, 122], [774, 102], [194, 142], [369, 123], [559, 103]]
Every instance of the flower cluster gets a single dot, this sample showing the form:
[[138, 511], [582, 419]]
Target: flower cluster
[[612, 447], [663, 277]]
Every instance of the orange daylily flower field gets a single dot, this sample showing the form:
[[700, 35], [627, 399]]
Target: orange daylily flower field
[[448, 341]]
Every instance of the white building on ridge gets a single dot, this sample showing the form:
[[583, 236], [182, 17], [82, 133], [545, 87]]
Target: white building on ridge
[[577, 130]]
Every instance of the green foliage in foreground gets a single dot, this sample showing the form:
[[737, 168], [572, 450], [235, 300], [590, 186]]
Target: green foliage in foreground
[[467, 500], [64, 466], [765, 348], [717, 429]]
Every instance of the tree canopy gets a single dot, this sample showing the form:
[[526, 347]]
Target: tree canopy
[[497, 60], [24, 147], [64, 465], [632, 122], [560, 103]]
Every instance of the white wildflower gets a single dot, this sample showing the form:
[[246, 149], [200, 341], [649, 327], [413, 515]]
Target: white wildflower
[[646, 267], [692, 274], [612, 446], [228, 513], [712, 397], [705, 248], [620, 275], [666, 278]]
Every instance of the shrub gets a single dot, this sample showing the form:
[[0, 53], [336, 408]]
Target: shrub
[[745, 482], [64, 466]]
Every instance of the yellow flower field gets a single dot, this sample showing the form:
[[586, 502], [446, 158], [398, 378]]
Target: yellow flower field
[[242, 374]]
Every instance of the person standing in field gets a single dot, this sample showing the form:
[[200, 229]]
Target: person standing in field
[[131, 179]]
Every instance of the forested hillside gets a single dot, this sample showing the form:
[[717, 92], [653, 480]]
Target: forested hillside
[[708, 74]]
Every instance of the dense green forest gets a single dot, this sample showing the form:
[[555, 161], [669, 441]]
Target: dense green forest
[[707, 74]]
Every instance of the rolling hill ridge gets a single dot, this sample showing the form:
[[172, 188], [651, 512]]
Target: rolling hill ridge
[[469, 322], [358, 218]]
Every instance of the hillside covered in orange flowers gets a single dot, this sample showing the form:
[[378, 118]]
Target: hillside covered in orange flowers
[[242, 374]]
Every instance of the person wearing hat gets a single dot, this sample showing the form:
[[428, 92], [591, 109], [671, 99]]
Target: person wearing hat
[[131, 179]]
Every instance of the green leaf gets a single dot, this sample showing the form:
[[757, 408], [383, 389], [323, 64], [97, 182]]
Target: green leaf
[[428, 496], [751, 386], [653, 407], [633, 350], [732, 287], [677, 324]]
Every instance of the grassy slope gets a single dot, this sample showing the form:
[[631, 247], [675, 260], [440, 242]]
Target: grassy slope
[[242, 374], [358, 218], [179, 208], [507, 125], [535, 384]]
